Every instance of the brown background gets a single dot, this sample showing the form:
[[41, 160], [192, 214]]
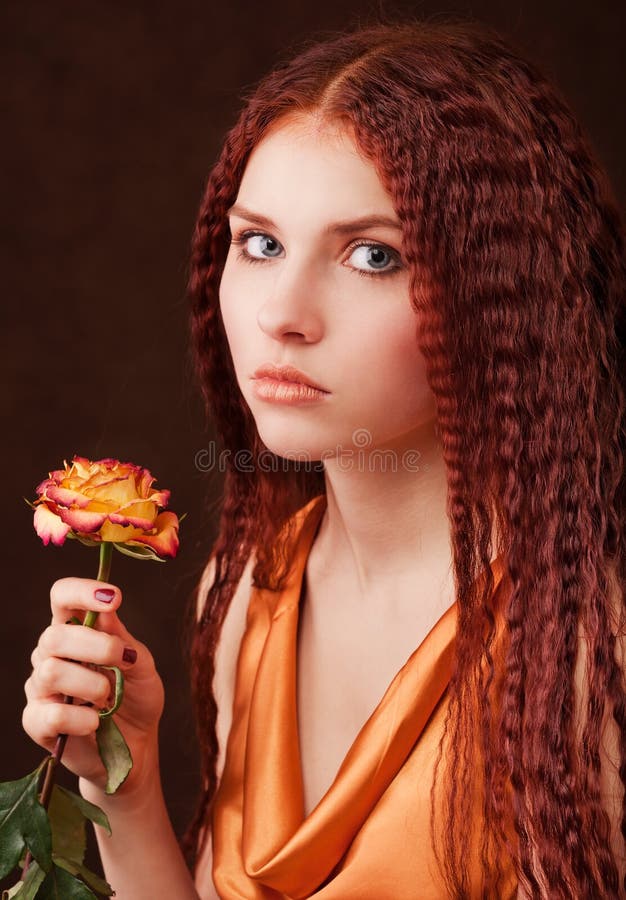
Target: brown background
[[113, 114]]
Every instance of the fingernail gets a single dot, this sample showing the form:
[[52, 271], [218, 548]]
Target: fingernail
[[104, 595], [129, 655]]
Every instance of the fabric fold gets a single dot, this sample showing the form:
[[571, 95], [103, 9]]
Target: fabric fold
[[264, 846]]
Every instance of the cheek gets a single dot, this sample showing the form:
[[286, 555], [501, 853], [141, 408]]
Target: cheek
[[235, 316], [406, 371], [387, 372], [386, 349]]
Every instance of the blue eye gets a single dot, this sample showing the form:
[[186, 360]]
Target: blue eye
[[366, 258], [261, 246], [372, 258]]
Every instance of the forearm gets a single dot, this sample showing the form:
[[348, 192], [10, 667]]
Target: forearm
[[141, 858]]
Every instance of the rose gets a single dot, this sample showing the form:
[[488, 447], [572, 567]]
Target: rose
[[106, 501]]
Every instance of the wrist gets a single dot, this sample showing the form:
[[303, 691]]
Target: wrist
[[132, 802], [140, 790]]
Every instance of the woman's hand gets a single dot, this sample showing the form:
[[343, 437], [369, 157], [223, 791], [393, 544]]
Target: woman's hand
[[57, 672]]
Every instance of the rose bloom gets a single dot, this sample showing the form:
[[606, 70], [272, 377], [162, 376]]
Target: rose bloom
[[105, 500]]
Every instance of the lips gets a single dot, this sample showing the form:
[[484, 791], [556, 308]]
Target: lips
[[287, 373]]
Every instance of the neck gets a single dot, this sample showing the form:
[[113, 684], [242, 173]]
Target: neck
[[385, 521]]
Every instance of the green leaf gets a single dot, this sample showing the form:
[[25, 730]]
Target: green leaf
[[99, 885], [119, 691], [88, 542], [68, 827], [114, 753], [138, 552], [88, 810], [37, 832], [11, 838], [23, 821], [27, 889], [68, 812], [60, 885]]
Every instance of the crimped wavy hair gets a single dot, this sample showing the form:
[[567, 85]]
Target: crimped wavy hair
[[509, 219]]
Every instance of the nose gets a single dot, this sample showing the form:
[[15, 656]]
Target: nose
[[291, 308]]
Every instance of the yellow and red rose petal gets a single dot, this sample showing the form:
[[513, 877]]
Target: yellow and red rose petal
[[82, 521], [119, 534], [161, 498], [49, 526], [80, 465], [165, 540], [63, 496], [142, 515]]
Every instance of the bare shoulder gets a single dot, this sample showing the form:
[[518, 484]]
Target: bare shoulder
[[224, 690], [227, 649]]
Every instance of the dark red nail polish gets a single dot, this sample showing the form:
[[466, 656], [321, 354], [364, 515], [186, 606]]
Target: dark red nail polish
[[129, 655], [104, 595]]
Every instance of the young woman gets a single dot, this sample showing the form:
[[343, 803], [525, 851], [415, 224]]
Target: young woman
[[408, 282]]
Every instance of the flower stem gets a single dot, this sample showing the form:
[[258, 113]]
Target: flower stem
[[104, 569]]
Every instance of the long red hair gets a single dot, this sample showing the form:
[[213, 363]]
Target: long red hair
[[510, 223]]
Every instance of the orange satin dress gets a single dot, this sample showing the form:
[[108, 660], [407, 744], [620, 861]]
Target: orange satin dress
[[369, 837]]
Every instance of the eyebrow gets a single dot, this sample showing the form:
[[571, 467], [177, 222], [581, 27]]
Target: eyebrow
[[360, 224]]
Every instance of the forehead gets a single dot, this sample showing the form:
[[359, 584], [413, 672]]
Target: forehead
[[306, 161]]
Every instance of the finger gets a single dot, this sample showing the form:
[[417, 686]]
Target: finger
[[35, 657], [44, 721], [58, 676], [75, 642], [71, 595], [111, 623], [32, 691]]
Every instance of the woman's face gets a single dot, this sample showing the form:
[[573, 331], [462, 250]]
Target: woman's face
[[314, 279]]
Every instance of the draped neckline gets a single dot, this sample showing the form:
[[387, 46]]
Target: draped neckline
[[283, 848]]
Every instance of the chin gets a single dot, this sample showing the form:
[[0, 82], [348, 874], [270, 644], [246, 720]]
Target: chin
[[301, 452], [291, 443]]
